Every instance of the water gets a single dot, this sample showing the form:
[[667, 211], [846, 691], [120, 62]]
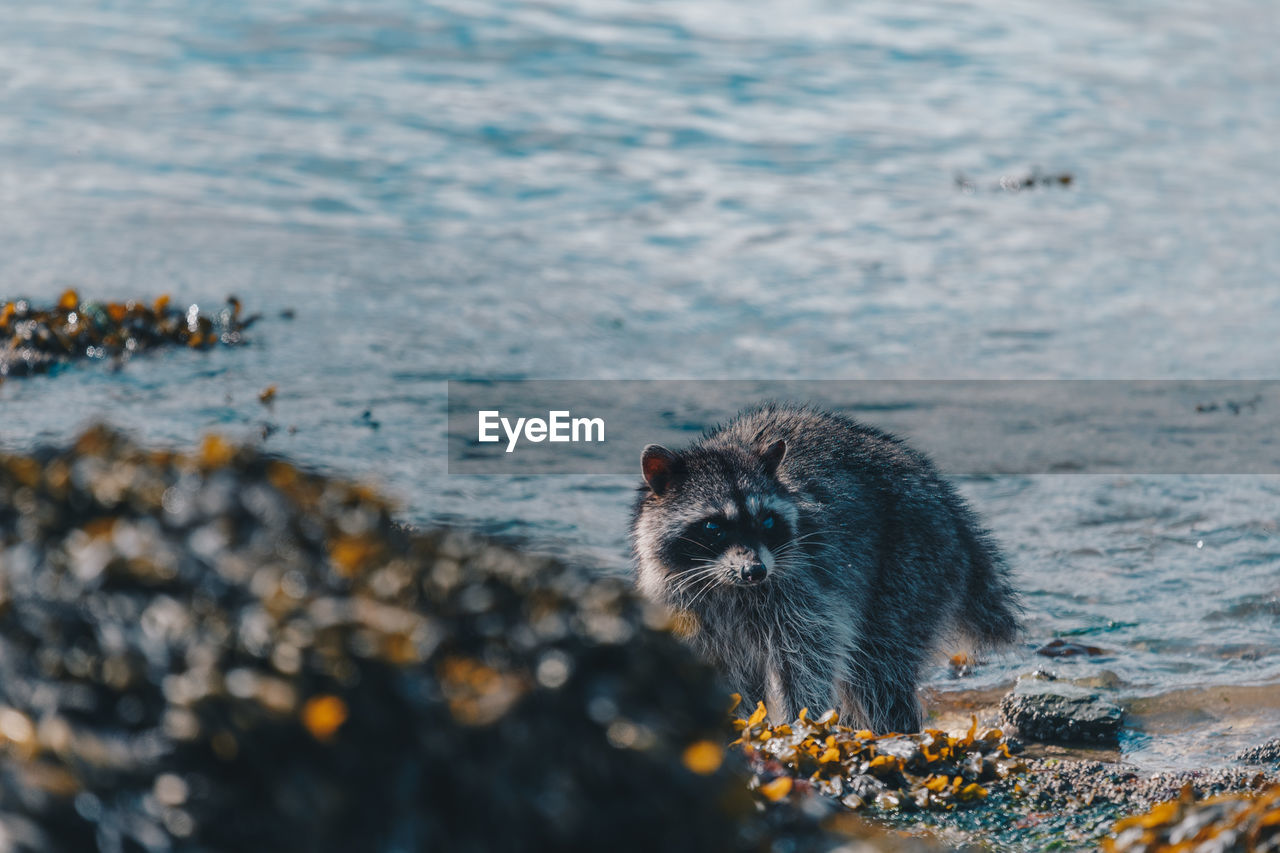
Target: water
[[693, 189]]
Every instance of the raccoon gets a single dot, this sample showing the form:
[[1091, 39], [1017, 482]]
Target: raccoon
[[821, 560]]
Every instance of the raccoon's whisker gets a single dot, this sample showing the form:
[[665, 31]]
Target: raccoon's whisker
[[699, 562], [787, 552], [702, 593], [691, 578], [792, 555], [813, 534], [702, 562], [797, 561], [796, 540], [794, 544], [691, 582], [707, 569], [703, 545]]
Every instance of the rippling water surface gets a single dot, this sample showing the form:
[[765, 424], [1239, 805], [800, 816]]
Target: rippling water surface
[[693, 189]]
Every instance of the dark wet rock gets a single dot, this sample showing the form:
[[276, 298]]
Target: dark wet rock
[[220, 651], [1263, 753], [1060, 648], [1060, 712], [38, 339]]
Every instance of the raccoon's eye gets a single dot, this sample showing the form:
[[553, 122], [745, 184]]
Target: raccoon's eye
[[769, 521], [714, 530]]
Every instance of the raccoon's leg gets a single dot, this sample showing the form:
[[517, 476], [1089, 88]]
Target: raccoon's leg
[[777, 699], [883, 687], [796, 681], [849, 705], [744, 670], [901, 711], [755, 689]]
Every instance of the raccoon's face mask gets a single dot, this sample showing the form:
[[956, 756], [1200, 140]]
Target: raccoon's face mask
[[731, 552], [726, 520]]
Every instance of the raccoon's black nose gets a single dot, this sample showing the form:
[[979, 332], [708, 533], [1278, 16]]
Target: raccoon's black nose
[[754, 573]]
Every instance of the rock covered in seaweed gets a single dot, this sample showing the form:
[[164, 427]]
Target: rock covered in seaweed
[[220, 651], [35, 340], [1228, 823], [929, 770]]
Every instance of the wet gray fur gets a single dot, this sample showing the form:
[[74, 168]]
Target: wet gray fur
[[877, 560]]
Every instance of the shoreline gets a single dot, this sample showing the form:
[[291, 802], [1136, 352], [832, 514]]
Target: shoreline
[[1195, 728]]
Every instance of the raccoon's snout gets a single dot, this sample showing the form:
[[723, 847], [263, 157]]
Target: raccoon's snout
[[753, 565]]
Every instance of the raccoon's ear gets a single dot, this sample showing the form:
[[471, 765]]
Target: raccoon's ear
[[773, 455], [660, 466]]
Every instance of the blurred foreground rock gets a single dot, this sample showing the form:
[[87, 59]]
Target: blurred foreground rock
[[220, 651], [1263, 753], [1230, 823]]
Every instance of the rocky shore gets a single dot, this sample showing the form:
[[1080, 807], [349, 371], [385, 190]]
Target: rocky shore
[[218, 650]]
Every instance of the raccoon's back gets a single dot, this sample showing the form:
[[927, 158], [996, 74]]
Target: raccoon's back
[[872, 492], [822, 446]]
